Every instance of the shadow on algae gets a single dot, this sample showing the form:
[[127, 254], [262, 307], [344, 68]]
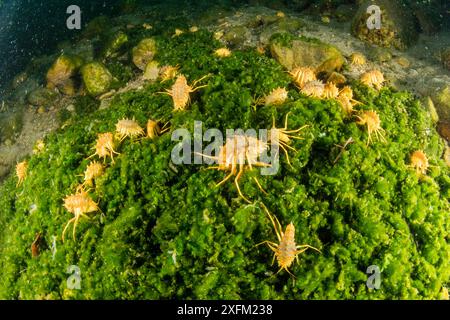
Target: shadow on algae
[[165, 231]]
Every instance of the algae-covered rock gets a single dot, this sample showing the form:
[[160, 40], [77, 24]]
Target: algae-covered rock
[[284, 25], [397, 25], [11, 125], [237, 35], [42, 97], [96, 78], [151, 71], [60, 73], [441, 99], [113, 44], [144, 52], [445, 58], [300, 52]]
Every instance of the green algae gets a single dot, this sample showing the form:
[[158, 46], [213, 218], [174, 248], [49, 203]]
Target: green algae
[[168, 232]]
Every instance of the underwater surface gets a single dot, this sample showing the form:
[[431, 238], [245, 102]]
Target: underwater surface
[[225, 149]]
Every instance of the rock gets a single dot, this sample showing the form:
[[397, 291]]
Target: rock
[[11, 126], [60, 73], [285, 25], [96, 78], [144, 52], [403, 62], [42, 97], [397, 25], [380, 54], [337, 78], [441, 99], [444, 129], [428, 103], [237, 35], [445, 58], [447, 156], [302, 52], [151, 71], [113, 44]]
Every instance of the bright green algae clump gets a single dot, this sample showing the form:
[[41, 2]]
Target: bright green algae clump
[[167, 234]]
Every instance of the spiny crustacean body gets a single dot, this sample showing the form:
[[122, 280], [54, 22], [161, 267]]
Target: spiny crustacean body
[[104, 146], [128, 128], [168, 72], [314, 89], [373, 122], [357, 59], [79, 204], [345, 98], [180, 92], [154, 129], [302, 75], [419, 161], [286, 250], [330, 91], [373, 78], [93, 171], [282, 137], [241, 152], [222, 52], [277, 97], [21, 172]]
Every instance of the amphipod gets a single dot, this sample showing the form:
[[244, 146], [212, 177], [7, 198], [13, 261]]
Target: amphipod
[[154, 129], [373, 122], [419, 161], [104, 146], [21, 172], [286, 250], [373, 78], [128, 128], [79, 204], [180, 92]]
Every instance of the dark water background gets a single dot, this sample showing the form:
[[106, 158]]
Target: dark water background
[[30, 28]]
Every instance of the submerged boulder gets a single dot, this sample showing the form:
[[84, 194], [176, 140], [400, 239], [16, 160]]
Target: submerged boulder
[[144, 52], [42, 97], [301, 52], [61, 72], [96, 78], [113, 44], [397, 25]]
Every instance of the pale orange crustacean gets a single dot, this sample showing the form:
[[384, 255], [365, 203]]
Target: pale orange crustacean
[[330, 91], [154, 129], [79, 204], [314, 89], [168, 72], [283, 136], [277, 97], [222, 52], [286, 250], [104, 146], [303, 75], [373, 122], [21, 172], [419, 161], [240, 151], [346, 100], [180, 92], [357, 59], [373, 78], [93, 171], [128, 128]]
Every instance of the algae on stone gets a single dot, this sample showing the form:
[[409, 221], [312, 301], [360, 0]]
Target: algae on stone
[[96, 78]]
